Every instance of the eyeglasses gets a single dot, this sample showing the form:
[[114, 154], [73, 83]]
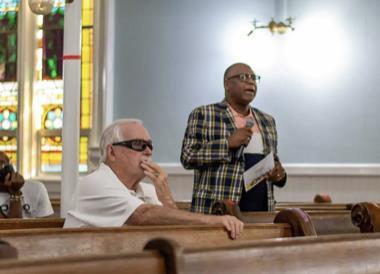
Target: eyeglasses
[[246, 76], [135, 144]]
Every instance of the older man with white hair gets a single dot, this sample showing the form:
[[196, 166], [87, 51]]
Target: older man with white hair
[[114, 195]]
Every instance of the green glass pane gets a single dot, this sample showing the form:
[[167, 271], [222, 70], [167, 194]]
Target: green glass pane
[[12, 19], [12, 116], [12, 40]]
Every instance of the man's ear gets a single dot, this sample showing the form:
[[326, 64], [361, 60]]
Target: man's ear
[[226, 85], [110, 153]]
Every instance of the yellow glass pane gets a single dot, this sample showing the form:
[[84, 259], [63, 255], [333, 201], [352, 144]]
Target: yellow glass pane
[[85, 122], [86, 106], [85, 70], [86, 54], [87, 18], [86, 37], [87, 4], [86, 86]]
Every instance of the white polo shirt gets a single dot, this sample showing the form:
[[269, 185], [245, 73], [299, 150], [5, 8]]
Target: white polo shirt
[[100, 199]]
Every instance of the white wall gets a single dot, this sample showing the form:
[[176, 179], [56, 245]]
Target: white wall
[[320, 82], [349, 184]]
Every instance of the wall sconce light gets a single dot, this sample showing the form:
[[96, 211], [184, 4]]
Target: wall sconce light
[[43, 7], [274, 27]]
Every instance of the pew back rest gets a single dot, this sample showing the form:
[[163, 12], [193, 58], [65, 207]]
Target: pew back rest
[[355, 253], [31, 223], [146, 262], [44, 243]]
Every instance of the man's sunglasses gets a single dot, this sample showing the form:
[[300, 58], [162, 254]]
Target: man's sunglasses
[[135, 144]]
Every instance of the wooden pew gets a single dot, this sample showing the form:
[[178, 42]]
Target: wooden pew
[[324, 222], [313, 206], [57, 242], [356, 253], [366, 216], [145, 262], [31, 223]]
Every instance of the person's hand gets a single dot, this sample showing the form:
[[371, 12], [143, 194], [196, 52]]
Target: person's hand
[[14, 182], [160, 180], [241, 136], [277, 173], [232, 224]]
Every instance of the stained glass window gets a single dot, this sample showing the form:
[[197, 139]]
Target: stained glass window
[[49, 85], [8, 78], [8, 118], [87, 62], [8, 40], [52, 27]]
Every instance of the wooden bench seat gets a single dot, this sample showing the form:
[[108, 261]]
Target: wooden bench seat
[[355, 253], [56, 242]]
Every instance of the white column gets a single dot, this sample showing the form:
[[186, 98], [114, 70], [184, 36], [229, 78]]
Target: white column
[[102, 111], [71, 101], [109, 63], [25, 62]]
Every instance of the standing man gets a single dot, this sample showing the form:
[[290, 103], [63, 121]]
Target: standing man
[[114, 194], [232, 148]]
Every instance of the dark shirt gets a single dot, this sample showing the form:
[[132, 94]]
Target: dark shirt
[[256, 199]]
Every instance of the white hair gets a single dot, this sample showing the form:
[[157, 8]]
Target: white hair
[[111, 134]]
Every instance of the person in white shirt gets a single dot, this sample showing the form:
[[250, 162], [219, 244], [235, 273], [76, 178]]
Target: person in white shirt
[[114, 195], [35, 202]]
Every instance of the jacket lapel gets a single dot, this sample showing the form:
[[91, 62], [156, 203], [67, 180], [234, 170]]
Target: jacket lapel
[[227, 116]]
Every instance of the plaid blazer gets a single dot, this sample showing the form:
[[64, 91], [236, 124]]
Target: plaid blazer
[[218, 173]]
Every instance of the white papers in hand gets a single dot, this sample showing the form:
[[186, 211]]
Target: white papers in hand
[[259, 170]]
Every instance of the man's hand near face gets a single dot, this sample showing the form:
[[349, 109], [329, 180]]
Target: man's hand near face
[[14, 182], [160, 180]]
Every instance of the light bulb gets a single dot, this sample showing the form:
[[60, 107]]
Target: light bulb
[[272, 26], [281, 28], [41, 6]]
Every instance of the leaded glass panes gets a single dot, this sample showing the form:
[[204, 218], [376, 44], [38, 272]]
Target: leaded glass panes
[[8, 77], [53, 118], [52, 27], [8, 40], [51, 154], [87, 62], [48, 89], [8, 118]]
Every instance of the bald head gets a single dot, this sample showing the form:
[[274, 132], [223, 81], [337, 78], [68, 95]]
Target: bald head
[[230, 69]]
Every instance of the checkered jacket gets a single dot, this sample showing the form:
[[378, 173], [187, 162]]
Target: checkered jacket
[[218, 173]]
